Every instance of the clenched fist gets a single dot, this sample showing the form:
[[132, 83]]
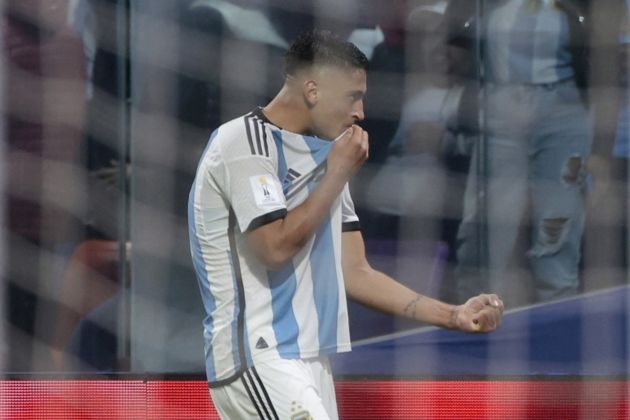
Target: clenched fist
[[479, 314], [348, 153]]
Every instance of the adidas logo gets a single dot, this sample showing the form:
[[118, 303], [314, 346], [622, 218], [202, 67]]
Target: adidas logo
[[291, 176], [261, 343]]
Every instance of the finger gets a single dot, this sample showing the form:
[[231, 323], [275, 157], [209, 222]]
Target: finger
[[476, 304], [347, 134], [491, 300], [476, 325], [495, 301], [489, 319], [357, 133], [487, 299], [366, 143], [501, 306], [495, 316], [493, 322], [479, 326]]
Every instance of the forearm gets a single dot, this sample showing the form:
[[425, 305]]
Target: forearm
[[381, 292], [279, 241], [300, 223]]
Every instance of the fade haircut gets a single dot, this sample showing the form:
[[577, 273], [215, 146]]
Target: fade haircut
[[319, 47]]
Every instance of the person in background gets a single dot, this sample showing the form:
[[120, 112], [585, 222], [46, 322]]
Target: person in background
[[45, 108], [536, 136], [605, 244], [427, 145]]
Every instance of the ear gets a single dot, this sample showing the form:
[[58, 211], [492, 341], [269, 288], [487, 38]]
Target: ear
[[310, 90]]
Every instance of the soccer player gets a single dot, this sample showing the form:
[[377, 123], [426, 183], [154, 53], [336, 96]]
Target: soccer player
[[276, 243]]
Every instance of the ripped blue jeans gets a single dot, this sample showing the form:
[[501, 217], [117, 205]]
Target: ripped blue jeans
[[539, 137]]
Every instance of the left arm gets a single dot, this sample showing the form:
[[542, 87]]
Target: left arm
[[379, 291]]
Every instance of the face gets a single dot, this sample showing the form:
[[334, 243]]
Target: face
[[336, 100]]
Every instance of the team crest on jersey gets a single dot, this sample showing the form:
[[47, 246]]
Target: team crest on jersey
[[265, 191]]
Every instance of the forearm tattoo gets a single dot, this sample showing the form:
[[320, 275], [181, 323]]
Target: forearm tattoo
[[410, 308]]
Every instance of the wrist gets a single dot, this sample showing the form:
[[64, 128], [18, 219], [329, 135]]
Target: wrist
[[452, 319], [333, 181]]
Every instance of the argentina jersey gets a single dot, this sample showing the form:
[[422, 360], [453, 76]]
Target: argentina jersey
[[252, 173]]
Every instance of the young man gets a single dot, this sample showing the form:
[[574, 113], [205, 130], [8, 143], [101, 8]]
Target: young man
[[266, 214]]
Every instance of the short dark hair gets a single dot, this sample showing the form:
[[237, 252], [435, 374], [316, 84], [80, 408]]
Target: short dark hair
[[318, 47]]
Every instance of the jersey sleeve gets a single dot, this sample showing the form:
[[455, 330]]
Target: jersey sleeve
[[253, 190], [349, 218]]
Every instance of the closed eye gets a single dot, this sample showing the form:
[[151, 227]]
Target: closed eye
[[356, 96]]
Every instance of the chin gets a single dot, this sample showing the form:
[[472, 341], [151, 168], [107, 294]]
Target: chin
[[328, 136], [332, 134], [339, 134]]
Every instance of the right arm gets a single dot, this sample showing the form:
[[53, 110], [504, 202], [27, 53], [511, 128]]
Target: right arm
[[277, 242]]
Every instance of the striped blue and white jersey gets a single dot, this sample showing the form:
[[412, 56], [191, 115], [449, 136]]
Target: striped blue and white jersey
[[253, 173], [528, 42]]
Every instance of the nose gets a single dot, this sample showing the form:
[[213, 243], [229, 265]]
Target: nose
[[357, 112]]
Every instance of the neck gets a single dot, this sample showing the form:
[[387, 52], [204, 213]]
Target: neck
[[288, 110]]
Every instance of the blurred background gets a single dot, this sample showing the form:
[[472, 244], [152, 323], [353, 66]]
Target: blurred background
[[499, 137]]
